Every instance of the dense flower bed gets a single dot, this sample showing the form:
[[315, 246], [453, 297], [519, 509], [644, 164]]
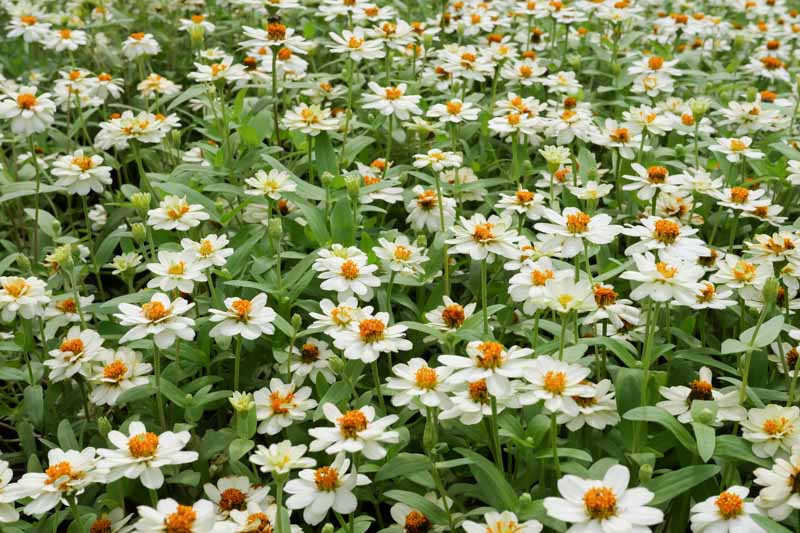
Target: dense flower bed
[[487, 266]]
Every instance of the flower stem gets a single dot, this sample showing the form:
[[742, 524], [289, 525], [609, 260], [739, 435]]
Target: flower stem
[[554, 445], [376, 377], [159, 400], [484, 296], [237, 362]]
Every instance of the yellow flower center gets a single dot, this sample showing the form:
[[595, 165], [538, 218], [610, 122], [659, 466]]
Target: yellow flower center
[[666, 231], [555, 382], [276, 31], [739, 195], [401, 253], [349, 269], [578, 222], [26, 100], [177, 269], [777, 426], [143, 444], [176, 212], [206, 248], [242, 308], [744, 271], [154, 311], [524, 196], [483, 233], [278, 402], [355, 42], [60, 474], [393, 93], [666, 271], [454, 107], [491, 355], [74, 345]]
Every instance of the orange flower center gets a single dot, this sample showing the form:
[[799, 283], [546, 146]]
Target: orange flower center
[[513, 119], [276, 31], [260, 522], [426, 378], [540, 277], [393, 93], [101, 525], [657, 174], [737, 145], [351, 423], [143, 444], [729, 504], [231, 499], [604, 296], [706, 293], [578, 222], [687, 119], [655, 63], [28, 20], [326, 478], [744, 271], [355, 42], [666, 231], [155, 311], [138, 36], [620, 135], [175, 213], [483, 233], [26, 100], [60, 474], [67, 306], [555, 382], [478, 391], [666, 271], [341, 315], [349, 269], [454, 107], [700, 390], [491, 355], [401, 253], [83, 162], [278, 402], [739, 195], [16, 287], [416, 522], [242, 308], [427, 199], [74, 345], [115, 370], [197, 19], [181, 521], [524, 196], [453, 316], [777, 426], [371, 330], [771, 63], [309, 353], [600, 502]]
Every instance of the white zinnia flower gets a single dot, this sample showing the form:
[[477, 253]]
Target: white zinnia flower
[[354, 431], [248, 318]]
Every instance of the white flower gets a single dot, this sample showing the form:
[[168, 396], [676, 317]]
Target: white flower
[[504, 522], [281, 405], [175, 213], [597, 411], [248, 318], [451, 315], [454, 111], [438, 160], [223, 70], [483, 238], [68, 473], [523, 202], [601, 506], [656, 233], [281, 458], [275, 35], [271, 184], [118, 371], [140, 44], [65, 39], [141, 454], [124, 262], [664, 281], [418, 385], [356, 44], [234, 493], [311, 359], [159, 317], [568, 230], [175, 270], [737, 273], [143, 127], [773, 430], [345, 270], [78, 348], [28, 112], [491, 361], [736, 148], [369, 336], [328, 487], [80, 173], [564, 295], [336, 317], [472, 401], [778, 497], [392, 101], [354, 431], [649, 181], [209, 251], [726, 513], [256, 517], [7, 512], [423, 210], [197, 21], [29, 27], [25, 297], [741, 198], [311, 120], [557, 383], [400, 256], [168, 514], [679, 399]]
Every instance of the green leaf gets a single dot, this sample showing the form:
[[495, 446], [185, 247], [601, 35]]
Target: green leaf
[[33, 405], [499, 494], [706, 440], [625, 353], [136, 393], [66, 436], [249, 135], [659, 416], [239, 447], [767, 333], [435, 513], [324, 154], [737, 449], [770, 525], [732, 346], [342, 222], [403, 465], [672, 484]]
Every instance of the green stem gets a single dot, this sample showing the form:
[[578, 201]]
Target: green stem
[[159, 400], [554, 445], [376, 377], [237, 363], [35, 202], [484, 296]]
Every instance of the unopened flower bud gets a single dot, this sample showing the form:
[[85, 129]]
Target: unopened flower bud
[[139, 232], [699, 107], [337, 365], [24, 263], [141, 201], [62, 255], [353, 185], [297, 322], [680, 151], [574, 61], [196, 33], [645, 473], [770, 292], [328, 528], [103, 426], [525, 499], [752, 94], [242, 401], [326, 179], [421, 241], [275, 229]]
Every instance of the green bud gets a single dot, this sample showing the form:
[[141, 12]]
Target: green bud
[[738, 41], [275, 228], [353, 185], [645, 473], [525, 499], [297, 322], [337, 365], [699, 107], [24, 263], [63, 255], [770, 292], [326, 179], [196, 33], [139, 232], [680, 151], [103, 426], [141, 201], [242, 401], [421, 241], [574, 61], [752, 94], [615, 69], [328, 528]]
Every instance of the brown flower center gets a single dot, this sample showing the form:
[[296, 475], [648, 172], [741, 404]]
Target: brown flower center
[[453, 316], [351, 423], [231, 499], [101, 525], [309, 353], [416, 522], [604, 296], [326, 478], [479, 392], [181, 521], [491, 355]]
